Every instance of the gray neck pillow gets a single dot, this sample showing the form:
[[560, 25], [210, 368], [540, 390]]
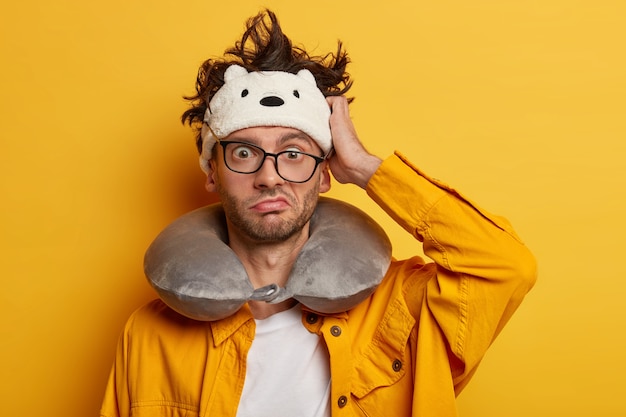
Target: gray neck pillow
[[195, 273]]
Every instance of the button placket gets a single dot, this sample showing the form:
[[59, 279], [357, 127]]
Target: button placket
[[338, 343]]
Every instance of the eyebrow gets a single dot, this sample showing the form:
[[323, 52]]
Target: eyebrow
[[298, 135]]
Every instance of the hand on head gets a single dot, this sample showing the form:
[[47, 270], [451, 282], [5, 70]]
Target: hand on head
[[349, 161]]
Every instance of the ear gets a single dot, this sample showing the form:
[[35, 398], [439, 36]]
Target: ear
[[234, 71], [211, 177], [325, 179], [307, 75]]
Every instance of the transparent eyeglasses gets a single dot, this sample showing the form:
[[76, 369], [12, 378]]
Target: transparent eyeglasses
[[291, 165]]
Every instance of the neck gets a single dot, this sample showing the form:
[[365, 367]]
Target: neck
[[268, 263]]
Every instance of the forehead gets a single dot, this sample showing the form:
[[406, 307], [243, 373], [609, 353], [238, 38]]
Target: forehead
[[268, 136]]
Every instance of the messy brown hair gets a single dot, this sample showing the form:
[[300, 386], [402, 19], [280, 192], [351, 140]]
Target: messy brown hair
[[264, 47]]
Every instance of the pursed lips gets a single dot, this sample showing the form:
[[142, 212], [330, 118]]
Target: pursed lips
[[271, 205]]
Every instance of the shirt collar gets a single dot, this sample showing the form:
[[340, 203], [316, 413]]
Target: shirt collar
[[224, 328]]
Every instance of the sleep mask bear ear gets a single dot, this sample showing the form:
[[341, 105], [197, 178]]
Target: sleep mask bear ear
[[196, 274]]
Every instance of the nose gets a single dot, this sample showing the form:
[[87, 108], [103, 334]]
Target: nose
[[272, 101], [267, 176]]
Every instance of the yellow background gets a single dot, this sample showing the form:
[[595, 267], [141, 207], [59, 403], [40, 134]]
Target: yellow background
[[520, 104]]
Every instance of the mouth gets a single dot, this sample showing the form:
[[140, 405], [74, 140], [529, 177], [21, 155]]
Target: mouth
[[271, 205]]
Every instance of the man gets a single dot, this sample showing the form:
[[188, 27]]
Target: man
[[272, 126]]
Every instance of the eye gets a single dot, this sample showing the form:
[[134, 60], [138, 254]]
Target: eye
[[293, 155], [296, 93], [244, 92], [243, 152]]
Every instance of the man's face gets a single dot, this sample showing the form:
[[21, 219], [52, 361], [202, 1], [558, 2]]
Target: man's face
[[262, 206]]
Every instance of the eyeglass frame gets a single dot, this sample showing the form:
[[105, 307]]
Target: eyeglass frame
[[223, 143]]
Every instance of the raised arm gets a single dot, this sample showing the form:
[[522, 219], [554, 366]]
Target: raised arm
[[483, 270]]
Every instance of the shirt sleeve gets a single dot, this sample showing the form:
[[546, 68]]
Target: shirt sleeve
[[483, 269]]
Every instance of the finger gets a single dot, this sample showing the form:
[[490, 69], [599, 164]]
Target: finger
[[338, 106], [340, 122]]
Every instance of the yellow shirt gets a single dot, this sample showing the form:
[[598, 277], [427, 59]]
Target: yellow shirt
[[407, 350]]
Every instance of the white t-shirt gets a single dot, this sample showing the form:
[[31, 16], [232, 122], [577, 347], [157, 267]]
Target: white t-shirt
[[287, 372]]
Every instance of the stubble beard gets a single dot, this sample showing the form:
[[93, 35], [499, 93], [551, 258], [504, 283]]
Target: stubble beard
[[262, 229]]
